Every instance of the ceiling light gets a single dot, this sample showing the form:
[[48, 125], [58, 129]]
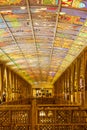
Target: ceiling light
[[62, 13], [36, 24], [23, 7], [43, 9], [10, 63], [6, 11], [36, 11]]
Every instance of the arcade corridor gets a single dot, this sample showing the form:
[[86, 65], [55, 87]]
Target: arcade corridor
[[43, 64]]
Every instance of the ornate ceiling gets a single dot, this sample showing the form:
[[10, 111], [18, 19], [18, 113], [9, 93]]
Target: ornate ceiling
[[40, 38]]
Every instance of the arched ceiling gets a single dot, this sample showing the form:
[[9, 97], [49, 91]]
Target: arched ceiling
[[40, 38]]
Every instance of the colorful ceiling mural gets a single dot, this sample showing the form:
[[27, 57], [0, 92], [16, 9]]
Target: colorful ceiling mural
[[40, 38]]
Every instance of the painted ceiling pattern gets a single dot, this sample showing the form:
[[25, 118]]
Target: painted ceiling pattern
[[40, 38]]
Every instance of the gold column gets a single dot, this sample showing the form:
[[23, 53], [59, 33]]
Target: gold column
[[34, 114]]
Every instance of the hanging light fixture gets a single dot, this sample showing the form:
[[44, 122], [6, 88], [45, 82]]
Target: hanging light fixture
[[42, 113], [50, 113]]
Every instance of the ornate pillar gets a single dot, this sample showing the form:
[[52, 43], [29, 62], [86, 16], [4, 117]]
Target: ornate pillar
[[34, 114]]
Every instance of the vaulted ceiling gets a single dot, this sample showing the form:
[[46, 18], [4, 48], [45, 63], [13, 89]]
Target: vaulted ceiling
[[40, 38]]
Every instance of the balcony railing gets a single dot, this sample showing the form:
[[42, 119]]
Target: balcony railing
[[15, 117], [47, 116], [53, 117]]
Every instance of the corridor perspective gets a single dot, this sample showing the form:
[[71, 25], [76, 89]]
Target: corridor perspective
[[43, 64]]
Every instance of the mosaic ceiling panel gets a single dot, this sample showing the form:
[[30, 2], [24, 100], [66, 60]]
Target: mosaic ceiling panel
[[40, 38]]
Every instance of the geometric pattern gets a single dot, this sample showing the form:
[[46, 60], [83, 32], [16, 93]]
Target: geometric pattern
[[14, 119], [62, 119], [39, 39]]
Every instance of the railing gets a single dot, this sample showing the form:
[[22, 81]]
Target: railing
[[25, 101], [61, 118], [15, 117], [46, 116]]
